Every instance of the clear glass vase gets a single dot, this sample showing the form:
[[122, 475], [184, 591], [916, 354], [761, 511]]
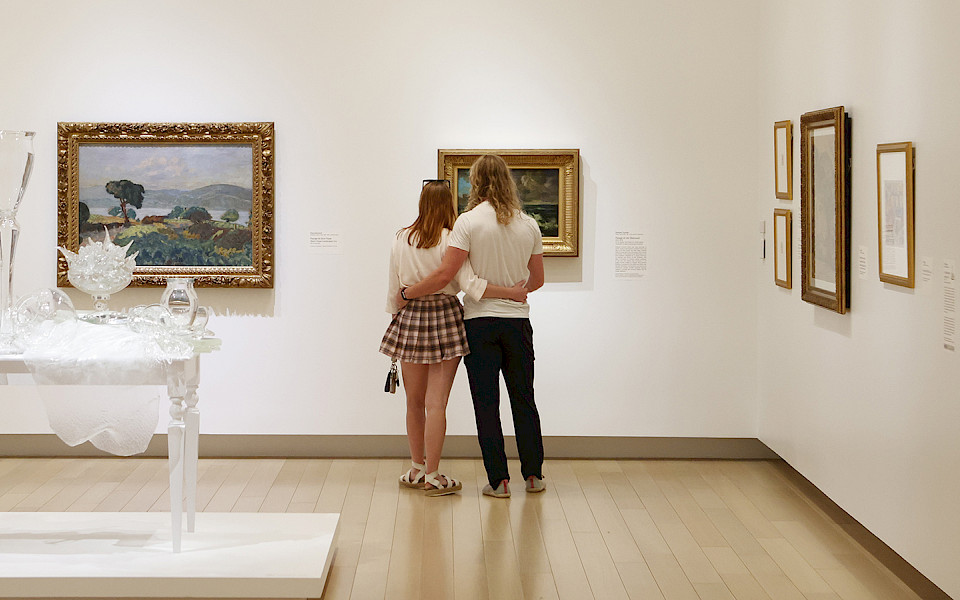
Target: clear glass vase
[[181, 300], [16, 163]]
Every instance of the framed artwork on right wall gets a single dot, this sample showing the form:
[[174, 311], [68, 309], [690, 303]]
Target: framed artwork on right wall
[[783, 159], [825, 208], [895, 229], [783, 245]]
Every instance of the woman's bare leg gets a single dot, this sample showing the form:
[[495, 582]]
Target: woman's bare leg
[[415, 378], [439, 381]]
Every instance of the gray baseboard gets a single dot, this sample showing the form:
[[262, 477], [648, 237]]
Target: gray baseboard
[[370, 446]]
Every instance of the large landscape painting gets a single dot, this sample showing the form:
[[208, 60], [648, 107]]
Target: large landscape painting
[[178, 205], [191, 199]]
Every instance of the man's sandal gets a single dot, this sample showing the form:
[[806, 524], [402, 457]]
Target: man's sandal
[[449, 485], [416, 480]]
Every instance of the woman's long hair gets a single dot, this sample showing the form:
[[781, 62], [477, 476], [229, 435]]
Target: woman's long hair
[[491, 181], [436, 214]]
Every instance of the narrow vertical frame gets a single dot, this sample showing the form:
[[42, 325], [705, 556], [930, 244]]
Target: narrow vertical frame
[[783, 159], [825, 208], [783, 247], [896, 167]]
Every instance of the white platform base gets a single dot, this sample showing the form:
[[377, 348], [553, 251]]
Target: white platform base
[[112, 555]]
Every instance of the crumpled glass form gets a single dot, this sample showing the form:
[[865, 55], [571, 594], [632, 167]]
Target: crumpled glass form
[[36, 308], [100, 269]]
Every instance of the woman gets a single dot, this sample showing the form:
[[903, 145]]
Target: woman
[[427, 335], [504, 246]]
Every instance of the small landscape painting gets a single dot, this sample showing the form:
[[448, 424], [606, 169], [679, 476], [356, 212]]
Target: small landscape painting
[[548, 182]]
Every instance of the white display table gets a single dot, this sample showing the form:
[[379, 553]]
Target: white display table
[[182, 378]]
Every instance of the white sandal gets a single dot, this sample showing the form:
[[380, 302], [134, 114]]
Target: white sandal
[[440, 488], [415, 482]]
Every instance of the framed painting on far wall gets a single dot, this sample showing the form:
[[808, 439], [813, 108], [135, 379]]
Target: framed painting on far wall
[[783, 159], [783, 246], [548, 182], [895, 187], [193, 199]]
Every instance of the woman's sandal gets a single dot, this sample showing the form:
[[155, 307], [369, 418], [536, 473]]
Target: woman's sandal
[[416, 481], [449, 485]]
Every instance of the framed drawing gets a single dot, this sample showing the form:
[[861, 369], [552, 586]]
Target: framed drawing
[[783, 159], [549, 186], [825, 208], [194, 199], [783, 244], [895, 170]]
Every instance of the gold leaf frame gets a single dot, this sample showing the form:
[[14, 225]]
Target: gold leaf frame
[[787, 241], [838, 299], [787, 127], [908, 178], [567, 242], [260, 136]]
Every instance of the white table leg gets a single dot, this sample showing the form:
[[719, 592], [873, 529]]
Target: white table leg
[[191, 444], [176, 389]]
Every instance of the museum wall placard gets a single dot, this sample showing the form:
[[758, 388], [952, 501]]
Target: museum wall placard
[[864, 404], [362, 96]]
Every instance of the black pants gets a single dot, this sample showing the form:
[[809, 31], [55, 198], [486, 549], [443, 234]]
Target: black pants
[[506, 345]]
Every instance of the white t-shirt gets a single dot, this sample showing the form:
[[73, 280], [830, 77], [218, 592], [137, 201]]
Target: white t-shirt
[[409, 264], [498, 254]]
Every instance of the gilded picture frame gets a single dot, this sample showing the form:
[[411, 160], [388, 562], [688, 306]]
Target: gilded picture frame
[[825, 210], [549, 186], [783, 159], [783, 247], [193, 199], [896, 167]]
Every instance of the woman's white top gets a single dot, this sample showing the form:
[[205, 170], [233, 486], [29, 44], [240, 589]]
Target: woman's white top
[[409, 264], [498, 253]]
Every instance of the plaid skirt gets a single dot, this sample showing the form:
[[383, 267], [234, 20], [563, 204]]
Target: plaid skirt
[[427, 330]]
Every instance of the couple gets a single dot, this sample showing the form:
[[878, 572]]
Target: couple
[[494, 253]]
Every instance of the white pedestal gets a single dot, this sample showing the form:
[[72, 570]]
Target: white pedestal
[[112, 555]]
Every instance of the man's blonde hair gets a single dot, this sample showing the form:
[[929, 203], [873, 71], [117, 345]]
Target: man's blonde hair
[[491, 181]]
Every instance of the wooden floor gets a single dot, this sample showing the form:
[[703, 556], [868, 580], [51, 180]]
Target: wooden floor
[[674, 530]]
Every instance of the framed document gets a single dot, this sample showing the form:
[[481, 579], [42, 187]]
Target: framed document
[[783, 159], [783, 244], [895, 170]]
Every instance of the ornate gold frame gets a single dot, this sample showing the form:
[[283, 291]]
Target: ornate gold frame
[[837, 299], [787, 126], [568, 163], [70, 136], [908, 178]]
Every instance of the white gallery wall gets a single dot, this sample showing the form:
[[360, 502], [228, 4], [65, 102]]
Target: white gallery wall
[[659, 98], [866, 404]]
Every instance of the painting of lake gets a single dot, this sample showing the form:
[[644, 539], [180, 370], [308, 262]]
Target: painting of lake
[[179, 204]]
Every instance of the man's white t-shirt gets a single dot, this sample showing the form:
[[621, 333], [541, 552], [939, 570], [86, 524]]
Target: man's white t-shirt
[[498, 254]]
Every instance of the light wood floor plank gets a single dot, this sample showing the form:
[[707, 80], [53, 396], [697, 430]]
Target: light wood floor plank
[[311, 484], [374, 559], [670, 577], [616, 535], [638, 581], [284, 486], [568, 572]]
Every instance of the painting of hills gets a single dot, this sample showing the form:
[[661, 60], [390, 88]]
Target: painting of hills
[[179, 205]]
